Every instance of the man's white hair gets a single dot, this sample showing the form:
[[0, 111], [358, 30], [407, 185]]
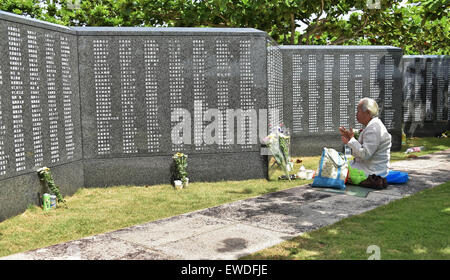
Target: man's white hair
[[369, 104]]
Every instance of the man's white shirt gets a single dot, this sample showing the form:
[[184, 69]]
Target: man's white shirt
[[372, 150]]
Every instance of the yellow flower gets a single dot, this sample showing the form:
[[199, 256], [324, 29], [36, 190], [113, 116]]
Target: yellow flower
[[179, 155]]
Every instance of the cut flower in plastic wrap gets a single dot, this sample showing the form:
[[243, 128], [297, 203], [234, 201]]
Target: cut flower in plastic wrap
[[269, 139], [284, 141], [278, 143], [356, 133]]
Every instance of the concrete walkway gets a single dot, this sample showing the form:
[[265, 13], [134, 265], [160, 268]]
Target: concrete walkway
[[236, 229]]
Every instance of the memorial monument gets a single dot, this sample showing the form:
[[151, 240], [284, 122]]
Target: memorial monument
[[110, 106], [425, 94], [322, 87]]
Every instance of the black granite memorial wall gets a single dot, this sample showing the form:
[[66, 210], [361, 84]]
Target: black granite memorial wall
[[426, 98], [110, 106], [39, 110], [137, 83], [322, 87]]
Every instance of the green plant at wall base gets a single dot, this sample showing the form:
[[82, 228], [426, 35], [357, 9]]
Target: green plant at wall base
[[180, 166], [46, 176]]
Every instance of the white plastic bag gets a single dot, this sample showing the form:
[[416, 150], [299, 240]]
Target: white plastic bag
[[333, 170]]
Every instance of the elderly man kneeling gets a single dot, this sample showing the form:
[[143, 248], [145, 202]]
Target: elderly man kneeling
[[373, 147]]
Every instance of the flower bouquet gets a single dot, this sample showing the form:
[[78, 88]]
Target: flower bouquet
[[278, 143], [180, 160], [356, 133]]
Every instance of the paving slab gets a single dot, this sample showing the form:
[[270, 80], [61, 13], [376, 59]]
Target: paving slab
[[98, 247], [282, 202], [230, 242], [353, 205], [170, 230], [280, 211]]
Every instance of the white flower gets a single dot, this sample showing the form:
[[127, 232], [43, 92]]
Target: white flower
[[43, 169]]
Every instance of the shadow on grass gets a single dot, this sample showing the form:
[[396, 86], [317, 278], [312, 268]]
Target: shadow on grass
[[271, 190], [244, 191]]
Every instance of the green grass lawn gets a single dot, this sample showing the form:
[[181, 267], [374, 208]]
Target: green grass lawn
[[415, 227], [432, 145], [97, 210]]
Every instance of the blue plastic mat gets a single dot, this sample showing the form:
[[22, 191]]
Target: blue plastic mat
[[349, 190]]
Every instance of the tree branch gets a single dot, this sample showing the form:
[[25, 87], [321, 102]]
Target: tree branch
[[292, 29], [343, 39], [225, 21]]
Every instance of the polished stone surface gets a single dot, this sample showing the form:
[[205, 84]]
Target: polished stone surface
[[425, 94], [40, 121], [323, 84]]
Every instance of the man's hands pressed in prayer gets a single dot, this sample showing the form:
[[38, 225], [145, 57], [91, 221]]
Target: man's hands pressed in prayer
[[346, 135]]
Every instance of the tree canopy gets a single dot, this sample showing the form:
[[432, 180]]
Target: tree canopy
[[417, 26]]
